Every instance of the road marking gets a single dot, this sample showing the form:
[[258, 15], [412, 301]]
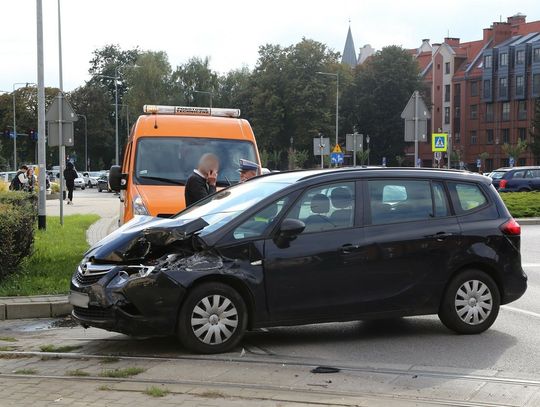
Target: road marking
[[522, 311]]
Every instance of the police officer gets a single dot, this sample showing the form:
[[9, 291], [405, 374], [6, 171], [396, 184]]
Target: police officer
[[248, 170]]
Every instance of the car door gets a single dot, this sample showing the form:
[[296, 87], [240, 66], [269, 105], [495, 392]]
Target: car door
[[533, 178], [410, 239], [312, 276]]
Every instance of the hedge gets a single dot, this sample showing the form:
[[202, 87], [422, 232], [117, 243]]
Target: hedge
[[17, 226], [522, 204]]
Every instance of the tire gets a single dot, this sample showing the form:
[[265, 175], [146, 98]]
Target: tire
[[99, 189], [470, 303], [83, 188], [230, 319]]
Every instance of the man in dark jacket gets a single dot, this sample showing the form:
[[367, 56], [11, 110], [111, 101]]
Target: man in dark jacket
[[202, 182], [69, 175]]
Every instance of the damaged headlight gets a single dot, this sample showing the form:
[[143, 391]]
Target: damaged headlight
[[130, 273]]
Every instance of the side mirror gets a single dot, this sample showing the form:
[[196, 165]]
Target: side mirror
[[116, 178], [290, 228]]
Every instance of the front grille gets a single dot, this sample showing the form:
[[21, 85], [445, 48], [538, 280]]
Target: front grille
[[92, 313], [88, 279]]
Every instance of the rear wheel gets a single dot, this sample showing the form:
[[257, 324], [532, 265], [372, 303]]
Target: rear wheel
[[471, 302], [213, 319]]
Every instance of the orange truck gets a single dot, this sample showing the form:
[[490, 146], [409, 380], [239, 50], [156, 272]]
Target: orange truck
[[164, 148]]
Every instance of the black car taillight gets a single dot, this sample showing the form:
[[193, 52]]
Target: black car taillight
[[511, 228]]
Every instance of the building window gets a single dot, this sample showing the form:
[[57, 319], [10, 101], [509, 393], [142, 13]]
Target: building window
[[447, 93], [503, 59], [487, 89], [505, 162], [489, 112], [536, 84], [474, 112], [505, 111], [474, 137], [489, 164], [520, 57], [474, 88], [536, 55], [522, 162], [522, 133], [457, 138], [520, 85], [457, 112], [447, 67], [506, 136], [522, 110], [503, 87], [487, 62], [446, 115], [489, 136]]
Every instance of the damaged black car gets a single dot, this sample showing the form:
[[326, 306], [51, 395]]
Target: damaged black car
[[305, 247]]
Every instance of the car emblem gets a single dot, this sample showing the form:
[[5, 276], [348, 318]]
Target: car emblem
[[84, 269]]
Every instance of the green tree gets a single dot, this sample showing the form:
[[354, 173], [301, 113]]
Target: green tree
[[380, 90], [514, 150], [195, 75], [150, 81]]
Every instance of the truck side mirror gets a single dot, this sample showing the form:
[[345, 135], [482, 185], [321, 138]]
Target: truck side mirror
[[116, 178]]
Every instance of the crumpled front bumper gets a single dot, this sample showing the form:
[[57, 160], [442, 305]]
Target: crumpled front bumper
[[145, 306]]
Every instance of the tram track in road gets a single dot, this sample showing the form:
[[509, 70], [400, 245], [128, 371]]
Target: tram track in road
[[280, 360], [275, 393]]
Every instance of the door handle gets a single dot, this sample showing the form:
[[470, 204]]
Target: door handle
[[349, 248], [440, 236]]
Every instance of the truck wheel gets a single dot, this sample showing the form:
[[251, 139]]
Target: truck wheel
[[213, 319], [471, 302]]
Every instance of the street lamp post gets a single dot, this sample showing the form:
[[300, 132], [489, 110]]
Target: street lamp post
[[15, 85], [337, 100], [206, 92], [368, 150], [85, 141]]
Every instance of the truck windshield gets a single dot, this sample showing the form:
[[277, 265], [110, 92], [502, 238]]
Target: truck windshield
[[171, 160]]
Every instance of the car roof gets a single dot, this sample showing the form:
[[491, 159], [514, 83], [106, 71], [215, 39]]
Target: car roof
[[530, 167], [363, 172]]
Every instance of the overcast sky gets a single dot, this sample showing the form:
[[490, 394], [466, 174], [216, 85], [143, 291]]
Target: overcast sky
[[229, 32]]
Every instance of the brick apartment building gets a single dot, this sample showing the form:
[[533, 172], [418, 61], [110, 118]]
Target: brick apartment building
[[483, 92]]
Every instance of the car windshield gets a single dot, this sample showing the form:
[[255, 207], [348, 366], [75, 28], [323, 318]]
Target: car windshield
[[497, 174], [223, 206], [171, 160]]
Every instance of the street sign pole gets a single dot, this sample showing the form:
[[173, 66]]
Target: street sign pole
[[449, 153], [42, 203], [416, 128], [321, 146], [61, 148], [354, 148]]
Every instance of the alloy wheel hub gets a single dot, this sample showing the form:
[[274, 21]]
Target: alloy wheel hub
[[473, 302]]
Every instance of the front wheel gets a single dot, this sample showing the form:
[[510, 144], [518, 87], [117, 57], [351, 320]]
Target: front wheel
[[213, 319], [471, 302]]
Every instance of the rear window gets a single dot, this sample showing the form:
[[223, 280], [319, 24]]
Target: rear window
[[497, 174], [467, 197]]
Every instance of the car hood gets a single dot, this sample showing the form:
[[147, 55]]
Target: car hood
[[133, 241]]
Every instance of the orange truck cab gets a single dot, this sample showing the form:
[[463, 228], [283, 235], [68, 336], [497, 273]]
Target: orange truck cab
[[164, 148]]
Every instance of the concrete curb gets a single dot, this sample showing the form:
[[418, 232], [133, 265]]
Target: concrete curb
[[528, 221], [35, 306]]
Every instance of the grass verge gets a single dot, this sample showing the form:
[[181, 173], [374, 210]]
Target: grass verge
[[8, 339], [155, 391], [522, 204], [77, 372], [59, 349], [122, 373], [26, 371], [110, 359], [57, 251]]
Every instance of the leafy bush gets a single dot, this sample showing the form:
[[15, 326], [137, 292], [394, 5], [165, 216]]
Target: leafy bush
[[55, 188], [4, 186], [522, 204], [17, 223]]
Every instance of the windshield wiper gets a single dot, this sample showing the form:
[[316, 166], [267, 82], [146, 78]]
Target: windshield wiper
[[162, 179]]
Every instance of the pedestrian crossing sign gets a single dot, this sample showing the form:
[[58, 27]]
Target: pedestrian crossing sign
[[439, 142]]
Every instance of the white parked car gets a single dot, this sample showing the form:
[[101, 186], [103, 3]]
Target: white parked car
[[91, 178], [79, 181]]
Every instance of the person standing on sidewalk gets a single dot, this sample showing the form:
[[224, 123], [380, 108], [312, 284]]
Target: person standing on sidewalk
[[69, 175]]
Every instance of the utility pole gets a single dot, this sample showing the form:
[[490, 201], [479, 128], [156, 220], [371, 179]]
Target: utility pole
[[416, 128], [61, 148], [337, 100], [42, 203], [85, 141]]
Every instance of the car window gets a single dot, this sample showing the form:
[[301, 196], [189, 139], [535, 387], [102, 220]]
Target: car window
[[410, 200], [519, 174], [468, 196], [326, 207], [497, 174], [535, 173], [440, 200], [259, 223]]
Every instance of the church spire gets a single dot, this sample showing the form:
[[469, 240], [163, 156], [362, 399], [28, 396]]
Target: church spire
[[349, 52]]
